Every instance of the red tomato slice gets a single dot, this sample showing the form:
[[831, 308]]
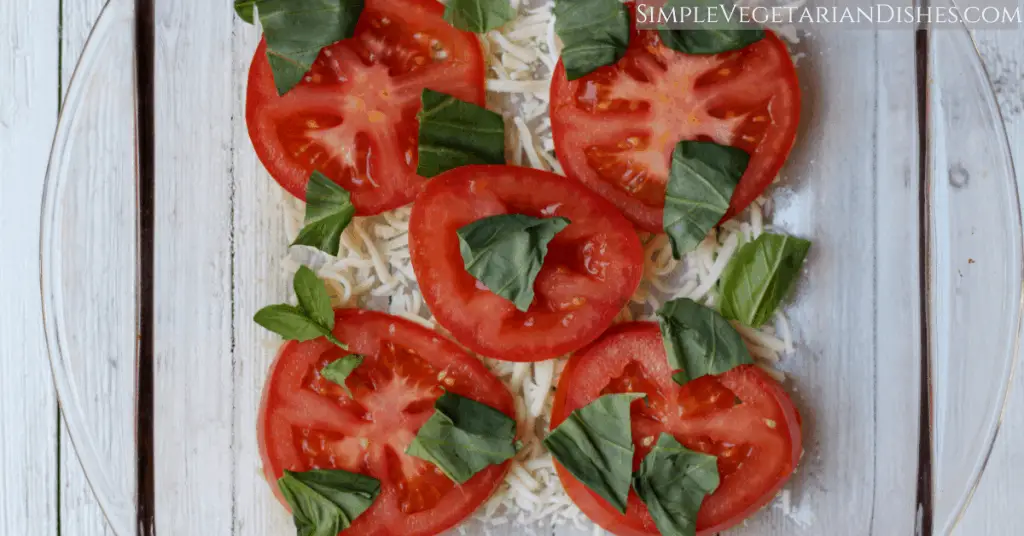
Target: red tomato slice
[[307, 422], [592, 267], [615, 129], [743, 416], [354, 116]]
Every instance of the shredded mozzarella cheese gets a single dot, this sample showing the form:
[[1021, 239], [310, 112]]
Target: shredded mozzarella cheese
[[373, 270]]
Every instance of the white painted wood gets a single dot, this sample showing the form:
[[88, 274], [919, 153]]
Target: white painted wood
[[28, 410], [260, 244], [104, 176], [995, 509], [195, 100]]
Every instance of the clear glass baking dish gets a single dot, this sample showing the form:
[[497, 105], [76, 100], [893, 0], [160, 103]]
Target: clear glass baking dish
[[911, 299]]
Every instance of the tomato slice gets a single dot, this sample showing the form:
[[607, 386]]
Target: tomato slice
[[307, 422], [743, 416], [615, 129], [592, 267], [353, 117]]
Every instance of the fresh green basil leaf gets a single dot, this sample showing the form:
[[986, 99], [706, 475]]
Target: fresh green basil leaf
[[338, 371], [700, 184], [464, 437], [479, 16], [506, 252], [594, 33], [246, 10], [313, 297], [314, 317], [290, 322], [455, 133], [673, 481], [759, 276], [711, 37], [699, 341], [325, 502], [329, 210], [595, 444], [296, 31]]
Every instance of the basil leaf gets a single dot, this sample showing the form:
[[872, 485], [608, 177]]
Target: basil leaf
[[246, 10], [759, 276], [455, 133], [338, 371], [506, 252], [700, 185], [595, 444], [594, 33], [296, 30], [479, 16], [314, 317], [673, 481], [290, 322], [711, 37], [463, 437], [699, 341], [325, 502], [329, 210]]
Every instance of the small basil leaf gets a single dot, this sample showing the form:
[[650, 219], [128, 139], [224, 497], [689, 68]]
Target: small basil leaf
[[463, 437], [313, 297], [290, 322], [699, 341], [700, 185], [296, 30], [325, 502], [479, 16], [329, 210], [673, 481], [506, 252], [246, 10], [710, 37], [759, 276], [595, 444], [594, 33], [455, 133], [338, 371]]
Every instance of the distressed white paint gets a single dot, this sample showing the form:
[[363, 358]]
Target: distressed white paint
[[28, 410], [99, 219], [995, 509], [195, 99]]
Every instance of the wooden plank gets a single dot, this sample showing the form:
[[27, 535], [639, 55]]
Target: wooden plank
[[856, 310], [994, 510], [261, 243], [195, 101], [28, 409], [104, 277]]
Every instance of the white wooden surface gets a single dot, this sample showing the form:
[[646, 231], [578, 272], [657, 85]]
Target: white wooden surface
[[219, 252]]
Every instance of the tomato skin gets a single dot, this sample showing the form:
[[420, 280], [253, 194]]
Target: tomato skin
[[636, 141], [767, 467], [354, 116], [592, 267], [287, 399]]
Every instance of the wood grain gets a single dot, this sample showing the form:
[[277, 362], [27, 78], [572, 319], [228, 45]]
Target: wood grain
[[103, 255], [994, 510], [28, 410], [194, 341]]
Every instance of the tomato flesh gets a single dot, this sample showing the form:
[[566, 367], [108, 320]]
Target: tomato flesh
[[743, 417], [615, 129], [353, 117], [308, 422], [592, 267]]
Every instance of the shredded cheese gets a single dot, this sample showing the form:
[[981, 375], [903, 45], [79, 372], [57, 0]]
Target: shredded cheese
[[373, 270]]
